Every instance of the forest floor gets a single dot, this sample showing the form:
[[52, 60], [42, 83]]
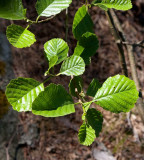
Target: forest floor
[[56, 138]]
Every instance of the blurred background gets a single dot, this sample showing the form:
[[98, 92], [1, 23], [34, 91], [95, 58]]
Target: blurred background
[[24, 136]]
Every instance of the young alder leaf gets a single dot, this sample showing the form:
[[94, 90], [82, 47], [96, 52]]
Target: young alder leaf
[[49, 8], [82, 23], [117, 94], [22, 92], [20, 37], [93, 87], [86, 134], [12, 9], [87, 46], [52, 63], [75, 86], [116, 4], [56, 47], [73, 65], [54, 101], [95, 120]]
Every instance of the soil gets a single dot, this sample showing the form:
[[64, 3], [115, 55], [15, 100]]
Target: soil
[[56, 138]]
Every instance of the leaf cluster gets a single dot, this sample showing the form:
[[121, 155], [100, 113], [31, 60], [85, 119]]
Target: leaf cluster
[[117, 94]]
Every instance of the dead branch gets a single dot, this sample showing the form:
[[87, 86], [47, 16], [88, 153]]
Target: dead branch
[[119, 45], [129, 48]]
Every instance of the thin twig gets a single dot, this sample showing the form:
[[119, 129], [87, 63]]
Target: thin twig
[[119, 45], [45, 20], [35, 22], [37, 18], [51, 76], [139, 44]]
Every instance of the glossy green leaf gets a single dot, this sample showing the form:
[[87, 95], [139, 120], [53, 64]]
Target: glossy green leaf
[[117, 94], [87, 46], [75, 86], [73, 65], [49, 8], [52, 63], [95, 120], [116, 4], [56, 47], [12, 9], [54, 101], [93, 87], [103, 7], [20, 37], [22, 92], [86, 134], [82, 23]]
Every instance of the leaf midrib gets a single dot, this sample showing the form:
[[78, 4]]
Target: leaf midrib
[[26, 94], [19, 37], [113, 94], [78, 65]]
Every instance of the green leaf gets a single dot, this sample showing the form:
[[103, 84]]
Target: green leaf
[[93, 87], [116, 4], [95, 120], [117, 94], [56, 47], [53, 102], [73, 65], [87, 46], [86, 134], [12, 9], [22, 92], [52, 63], [103, 7], [49, 8], [75, 86], [20, 37], [82, 23]]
